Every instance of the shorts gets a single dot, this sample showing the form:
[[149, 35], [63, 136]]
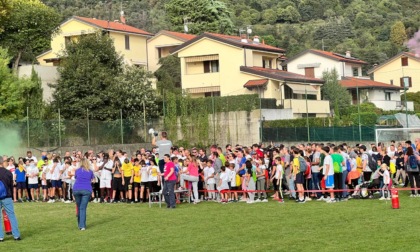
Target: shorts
[[234, 188], [44, 187], [144, 184], [127, 185], [56, 183], [33, 186], [136, 184], [329, 182], [224, 191], [105, 183], [300, 178], [21, 185], [117, 184], [49, 185]]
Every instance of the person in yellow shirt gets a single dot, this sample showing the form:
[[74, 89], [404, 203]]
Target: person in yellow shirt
[[298, 174], [136, 179], [127, 171]]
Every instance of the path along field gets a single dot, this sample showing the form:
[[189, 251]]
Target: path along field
[[355, 225]]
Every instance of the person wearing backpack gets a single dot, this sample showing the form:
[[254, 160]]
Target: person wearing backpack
[[6, 201], [411, 163], [299, 168]]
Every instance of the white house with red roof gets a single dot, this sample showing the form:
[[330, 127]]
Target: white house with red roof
[[223, 65], [313, 63], [130, 42], [385, 96]]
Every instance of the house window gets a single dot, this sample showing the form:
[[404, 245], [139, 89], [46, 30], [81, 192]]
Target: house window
[[211, 66], [391, 82], [405, 82], [67, 41], [159, 53], [288, 92], [404, 61], [355, 71], [310, 72], [387, 96], [266, 63], [210, 94], [127, 42]]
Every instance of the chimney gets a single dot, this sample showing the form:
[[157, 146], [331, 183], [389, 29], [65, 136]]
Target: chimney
[[348, 54], [243, 38], [122, 17], [256, 40]]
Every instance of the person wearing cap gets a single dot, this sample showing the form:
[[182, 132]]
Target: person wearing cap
[[6, 177]]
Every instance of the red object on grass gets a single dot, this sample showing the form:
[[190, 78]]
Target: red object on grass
[[395, 200], [6, 221]]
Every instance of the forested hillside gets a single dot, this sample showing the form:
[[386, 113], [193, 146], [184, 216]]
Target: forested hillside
[[372, 30]]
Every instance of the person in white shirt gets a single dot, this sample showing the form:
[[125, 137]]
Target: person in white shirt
[[144, 171], [30, 156], [32, 172], [106, 177], [386, 180], [56, 171], [328, 172], [209, 180], [232, 184], [223, 186]]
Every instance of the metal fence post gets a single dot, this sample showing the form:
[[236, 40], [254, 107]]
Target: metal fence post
[[59, 128], [122, 131], [27, 123], [88, 129]]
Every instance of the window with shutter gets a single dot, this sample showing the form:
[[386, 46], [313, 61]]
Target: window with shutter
[[310, 72], [404, 61]]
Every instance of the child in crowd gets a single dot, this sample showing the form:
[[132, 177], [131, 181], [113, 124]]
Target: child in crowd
[[249, 182], [232, 183], [144, 181], [136, 179], [261, 172], [32, 173], [223, 186], [386, 180], [209, 180]]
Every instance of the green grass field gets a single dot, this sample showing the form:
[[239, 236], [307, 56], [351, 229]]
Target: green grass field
[[355, 225]]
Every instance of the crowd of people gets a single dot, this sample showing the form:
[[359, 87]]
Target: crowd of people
[[231, 174]]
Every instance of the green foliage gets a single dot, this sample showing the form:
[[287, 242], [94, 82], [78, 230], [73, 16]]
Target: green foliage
[[332, 90], [398, 35], [366, 118], [203, 15], [169, 75], [12, 90], [5, 8], [415, 97], [28, 29], [363, 107], [87, 80], [288, 14], [33, 98], [300, 122], [143, 99]]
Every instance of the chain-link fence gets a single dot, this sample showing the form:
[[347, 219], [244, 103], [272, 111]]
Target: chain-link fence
[[319, 134]]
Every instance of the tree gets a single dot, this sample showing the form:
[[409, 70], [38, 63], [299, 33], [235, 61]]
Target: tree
[[135, 89], [332, 90], [33, 97], [88, 71], [28, 29], [4, 12], [398, 35], [12, 90], [169, 75], [202, 15], [289, 14]]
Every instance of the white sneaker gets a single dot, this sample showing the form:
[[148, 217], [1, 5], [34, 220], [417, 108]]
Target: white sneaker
[[264, 200], [257, 200], [327, 198], [160, 191], [62, 200], [308, 199], [382, 198], [331, 201], [250, 201], [67, 201], [243, 200], [412, 195], [320, 199], [388, 198]]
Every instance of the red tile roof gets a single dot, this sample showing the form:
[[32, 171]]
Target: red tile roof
[[255, 83], [114, 26], [250, 44], [280, 75], [331, 55], [353, 83], [181, 36]]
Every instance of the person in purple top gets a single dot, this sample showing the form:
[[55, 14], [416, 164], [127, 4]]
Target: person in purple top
[[82, 190]]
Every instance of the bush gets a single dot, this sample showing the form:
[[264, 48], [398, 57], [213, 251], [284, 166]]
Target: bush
[[366, 118], [301, 122]]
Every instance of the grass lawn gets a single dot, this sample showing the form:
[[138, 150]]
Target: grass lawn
[[355, 225]]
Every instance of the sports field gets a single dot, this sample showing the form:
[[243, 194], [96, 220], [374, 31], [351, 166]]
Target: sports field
[[355, 225]]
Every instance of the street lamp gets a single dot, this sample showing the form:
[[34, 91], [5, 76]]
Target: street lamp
[[406, 84]]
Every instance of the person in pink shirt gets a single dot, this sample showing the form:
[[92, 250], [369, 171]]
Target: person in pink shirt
[[170, 181], [191, 175]]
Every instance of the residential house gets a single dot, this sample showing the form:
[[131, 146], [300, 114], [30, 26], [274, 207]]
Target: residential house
[[129, 41], [223, 65], [161, 45], [402, 68], [313, 63], [383, 95]]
